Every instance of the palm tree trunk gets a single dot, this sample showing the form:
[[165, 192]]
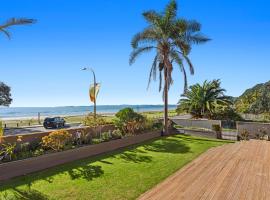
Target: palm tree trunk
[[165, 129]]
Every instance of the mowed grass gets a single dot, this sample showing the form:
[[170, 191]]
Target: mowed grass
[[123, 174]]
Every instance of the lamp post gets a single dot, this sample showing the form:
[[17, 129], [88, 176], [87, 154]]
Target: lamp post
[[95, 84]]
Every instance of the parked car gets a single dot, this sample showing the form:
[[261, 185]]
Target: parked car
[[54, 122]]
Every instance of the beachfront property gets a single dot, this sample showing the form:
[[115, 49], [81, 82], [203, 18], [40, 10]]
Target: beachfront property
[[186, 137]]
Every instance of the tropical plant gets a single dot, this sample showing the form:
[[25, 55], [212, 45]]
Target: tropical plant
[[128, 121], [7, 151], [203, 100], [171, 38], [14, 22], [56, 140]]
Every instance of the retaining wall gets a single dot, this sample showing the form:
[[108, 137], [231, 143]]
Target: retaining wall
[[22, 167]]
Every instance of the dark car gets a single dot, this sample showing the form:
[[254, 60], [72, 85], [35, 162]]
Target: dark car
[[54, 122]]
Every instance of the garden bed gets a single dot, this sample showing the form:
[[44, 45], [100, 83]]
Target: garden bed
[[21, 167]]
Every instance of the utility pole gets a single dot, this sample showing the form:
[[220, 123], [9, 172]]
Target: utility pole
[[95, 85]]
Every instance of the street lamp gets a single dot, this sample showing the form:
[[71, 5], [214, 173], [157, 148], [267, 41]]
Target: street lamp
[[94, 88]]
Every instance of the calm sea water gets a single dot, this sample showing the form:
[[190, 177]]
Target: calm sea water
[[25, 112]]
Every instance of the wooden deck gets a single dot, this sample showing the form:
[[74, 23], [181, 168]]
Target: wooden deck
[[234, 171]]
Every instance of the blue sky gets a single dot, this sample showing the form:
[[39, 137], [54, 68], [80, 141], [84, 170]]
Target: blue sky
[[42, 62]]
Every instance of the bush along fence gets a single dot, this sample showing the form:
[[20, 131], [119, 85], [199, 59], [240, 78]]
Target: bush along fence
[[253, 130]]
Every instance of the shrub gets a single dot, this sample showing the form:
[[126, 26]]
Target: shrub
[[263, 133], [106, 136], [56, 140], [244, 135], [217, 128], [86, 138], [129, 121], [94, 122], [117, 134], [96, 140], [1, 129], [7, 151]]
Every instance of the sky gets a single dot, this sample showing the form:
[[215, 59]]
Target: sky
[[42, 62]]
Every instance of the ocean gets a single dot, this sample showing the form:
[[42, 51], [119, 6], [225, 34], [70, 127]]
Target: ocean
[[32, 112]]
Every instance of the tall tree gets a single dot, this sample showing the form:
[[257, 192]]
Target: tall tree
[[14, 22], [5, 96], [172, 39], [203, 100]]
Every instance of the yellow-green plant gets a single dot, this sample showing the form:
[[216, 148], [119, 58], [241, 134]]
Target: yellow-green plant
[[1, 129], [244, 135], [7, 151], [56, 140]]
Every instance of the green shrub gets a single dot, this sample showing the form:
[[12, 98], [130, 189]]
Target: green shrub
[[117, 134], [129, 121], [106, 136], [96, 140]]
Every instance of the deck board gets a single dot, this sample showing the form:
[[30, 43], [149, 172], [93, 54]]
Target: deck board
[[233, 171]]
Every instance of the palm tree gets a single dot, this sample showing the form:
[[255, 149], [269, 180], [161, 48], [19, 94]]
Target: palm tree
[[171, 38], [13, 22], [203, 100]]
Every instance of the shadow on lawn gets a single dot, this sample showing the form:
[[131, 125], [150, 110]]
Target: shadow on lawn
[[135, 157], [87, 172], [83, 169], [24, 194], [168, 145]]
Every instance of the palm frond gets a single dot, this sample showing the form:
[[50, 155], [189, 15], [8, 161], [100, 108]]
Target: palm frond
[[137, 52], [152, 17], [153, 71], [146, 36], [17, 21]]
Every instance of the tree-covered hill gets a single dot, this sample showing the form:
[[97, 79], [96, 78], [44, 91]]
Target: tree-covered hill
[[255, 100]]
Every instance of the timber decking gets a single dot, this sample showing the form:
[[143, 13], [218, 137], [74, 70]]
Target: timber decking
[[233, 171]]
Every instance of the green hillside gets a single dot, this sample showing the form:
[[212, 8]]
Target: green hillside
[[255, 100]]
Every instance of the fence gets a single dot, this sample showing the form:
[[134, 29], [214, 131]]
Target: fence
[[253, 128], [207, 124]]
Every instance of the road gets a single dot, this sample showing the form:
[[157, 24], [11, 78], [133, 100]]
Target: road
[[35, 129]]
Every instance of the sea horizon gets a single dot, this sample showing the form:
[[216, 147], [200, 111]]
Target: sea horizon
[[8, 113]]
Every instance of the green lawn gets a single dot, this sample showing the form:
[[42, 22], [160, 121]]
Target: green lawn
[[123, 174]]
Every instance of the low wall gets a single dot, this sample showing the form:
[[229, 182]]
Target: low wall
[[200, 123], [22, 167], [252, 128], [38, 136]]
